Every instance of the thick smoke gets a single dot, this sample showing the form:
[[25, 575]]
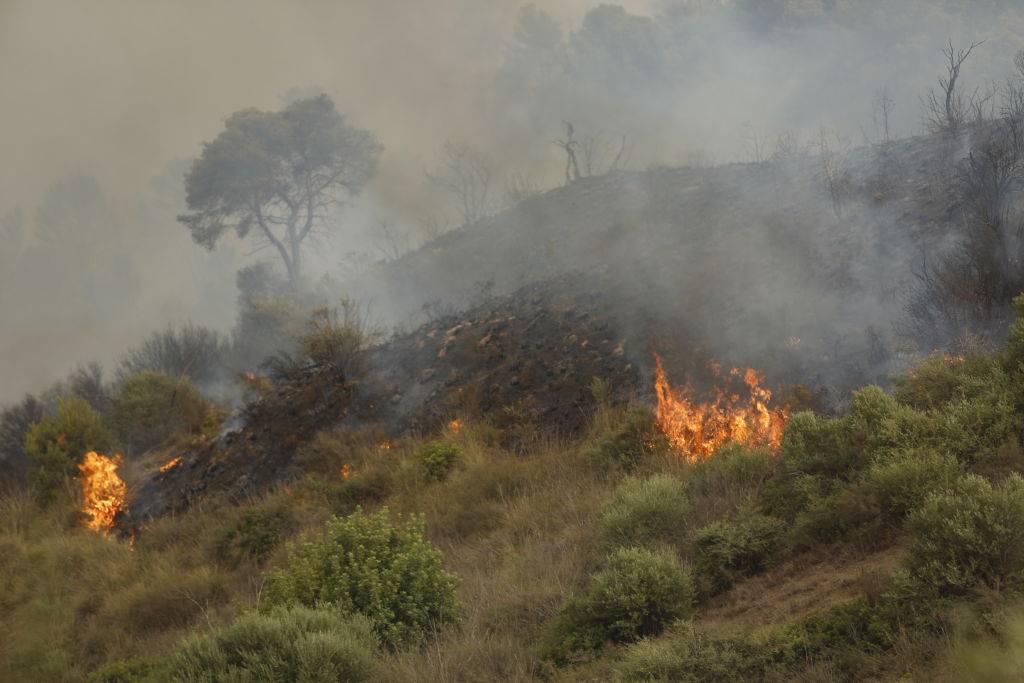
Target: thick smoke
[[106, 102]]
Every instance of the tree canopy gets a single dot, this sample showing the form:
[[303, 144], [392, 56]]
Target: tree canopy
[[275, 176]]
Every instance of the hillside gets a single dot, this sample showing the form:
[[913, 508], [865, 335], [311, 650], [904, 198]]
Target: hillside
[[510, 489]]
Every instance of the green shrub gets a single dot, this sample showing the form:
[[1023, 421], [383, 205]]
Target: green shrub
[[364, 565], [830, 517], [937, 381], [976, 427], [57, 443], [294, 644], [813, 444], [728, 550], [735, 468], [970, 536], [254, 534], [689, 653], [150, 407], [905, 481], [644, 511], [129, 671], [625, 445], [637, 595], [437, 459]]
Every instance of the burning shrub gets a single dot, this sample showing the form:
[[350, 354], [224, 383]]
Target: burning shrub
[[364, 565], [288, 644], [728, 550], [902, 483], [437, 459], [625, 445], [969, 536], [637, 595], [644, 511], [150, 407], [255, 534], [57, 443]]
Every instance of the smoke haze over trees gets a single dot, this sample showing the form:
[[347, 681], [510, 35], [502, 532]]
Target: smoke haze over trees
[[99, 130]]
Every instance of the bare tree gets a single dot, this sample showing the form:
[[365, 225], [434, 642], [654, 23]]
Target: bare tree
[[595, 150], [832, 152], [755, 144], [465, 173], [390, 242], [569, 145], [946, 108], [883, 108]]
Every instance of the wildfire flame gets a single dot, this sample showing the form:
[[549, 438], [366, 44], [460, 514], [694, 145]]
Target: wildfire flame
[[103, 491], [384, 446], [698, 429], [455, 426], [170, 464], [346, 471]]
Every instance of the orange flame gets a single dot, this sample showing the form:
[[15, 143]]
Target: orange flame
[[346, 471], [455, 426], [103, 491], [698, 429], [170, 464], [384, 446]]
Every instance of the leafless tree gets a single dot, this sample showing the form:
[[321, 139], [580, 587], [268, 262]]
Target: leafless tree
[[433, 225], [596, 148], [832, 153], [390, 242], [787, 146], [883, 108], [946, 108], [569, 145], [755, 144], [465, 173]]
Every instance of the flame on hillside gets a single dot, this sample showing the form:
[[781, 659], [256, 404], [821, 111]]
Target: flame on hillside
[[170, 465], [697, 429], [455, 426], [103, 490]]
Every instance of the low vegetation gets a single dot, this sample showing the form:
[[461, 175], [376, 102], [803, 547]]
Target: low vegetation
[[608, 556]]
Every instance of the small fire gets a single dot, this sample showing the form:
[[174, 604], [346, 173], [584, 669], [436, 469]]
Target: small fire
[[455, 425], [346, 471], [170, 465], [250, 376], [698, 429], [384, 446], [103, 491]]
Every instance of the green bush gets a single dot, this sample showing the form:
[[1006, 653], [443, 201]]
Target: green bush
[[689, 653], [970, 536], [975, 428], [905, 481], [57, 443], [814, 445], [735, 468], [637, 595], [644, 511], [364, 565], [936, 381], [437, 459], [625, 445], [150, 407], [129, 671], [254, 534], [294, 644], [728, 550]]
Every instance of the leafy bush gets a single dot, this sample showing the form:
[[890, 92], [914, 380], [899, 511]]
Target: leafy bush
[[976, 427], [364, 565], [335, 337], [292, 644], [626, 444], [150, 407], [638, 594], [644, 511], [905, 481], [817, 445], [735, 467], [938, 380], [437, 459], [254, 535], [728, 550], [15, 421], [57, 443], [970, 536], [692, 654]]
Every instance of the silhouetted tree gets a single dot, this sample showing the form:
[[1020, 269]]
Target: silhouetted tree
[[275, 176]]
